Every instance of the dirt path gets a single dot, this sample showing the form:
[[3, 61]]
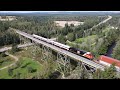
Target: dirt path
[[14, 57]]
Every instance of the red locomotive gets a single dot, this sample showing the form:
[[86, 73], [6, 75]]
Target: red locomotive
[[85, 54]]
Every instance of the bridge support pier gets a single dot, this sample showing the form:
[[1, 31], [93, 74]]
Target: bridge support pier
[[24, 40], [46, 53], [21, 39], [84, 72], [34, 49], [63, 62], [91, 69]]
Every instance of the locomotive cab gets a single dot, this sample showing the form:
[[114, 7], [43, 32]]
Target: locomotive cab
[[88, 55], [81, 53]]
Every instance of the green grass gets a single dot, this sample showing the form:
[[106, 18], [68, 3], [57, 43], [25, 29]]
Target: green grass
[[29, 52], [107, 29], [4, 61], [4, 74], [88, 40], [80, 40], [87, 43], [26, 62], [28, 59]]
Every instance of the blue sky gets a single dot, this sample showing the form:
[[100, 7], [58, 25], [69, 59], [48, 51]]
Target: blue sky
[[52, 11]]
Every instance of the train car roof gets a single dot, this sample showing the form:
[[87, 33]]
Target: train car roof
[[110, 60]]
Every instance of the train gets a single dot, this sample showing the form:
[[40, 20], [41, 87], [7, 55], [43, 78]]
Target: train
[[104, 60], [83, 53], [77, 51], [107, 61]]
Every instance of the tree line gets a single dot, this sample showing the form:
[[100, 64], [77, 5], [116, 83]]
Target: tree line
[[7, 36]]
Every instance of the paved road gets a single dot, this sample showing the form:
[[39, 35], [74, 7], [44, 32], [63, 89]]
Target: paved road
[[14, 57], [64, 52], [19, 46], [104, 21]]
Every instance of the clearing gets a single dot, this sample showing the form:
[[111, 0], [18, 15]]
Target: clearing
[[62, 23]]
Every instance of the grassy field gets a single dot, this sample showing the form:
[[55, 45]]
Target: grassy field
[[31, 52], [4, 74], [84, 41], [28, 65], [4, 61], [91, 38], [22, 69], [107, 29], [25, 64]]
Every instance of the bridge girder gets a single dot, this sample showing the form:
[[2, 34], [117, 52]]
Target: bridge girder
[[24, 40], [64, 65], [46, 52]]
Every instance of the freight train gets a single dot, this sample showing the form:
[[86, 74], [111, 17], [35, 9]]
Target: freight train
[[82, 53], [104, 60]]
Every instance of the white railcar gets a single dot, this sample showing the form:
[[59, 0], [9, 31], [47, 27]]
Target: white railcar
[[52, 42], [41, 38], [59, 45]]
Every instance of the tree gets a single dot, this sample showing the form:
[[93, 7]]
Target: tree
[[80, 34], [14, 48], [84, 74], [31, 70], [71, 37], [102, 49], [61, 39], [108, 73], [66, 25], [10, 72], [18, 75], [116, 51], [71, 25], [3, 54], [97, 74]]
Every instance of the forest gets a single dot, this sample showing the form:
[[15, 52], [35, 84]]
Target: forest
[[7, 36]]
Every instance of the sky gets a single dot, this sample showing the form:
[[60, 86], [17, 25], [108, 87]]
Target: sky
[[52, 11]]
